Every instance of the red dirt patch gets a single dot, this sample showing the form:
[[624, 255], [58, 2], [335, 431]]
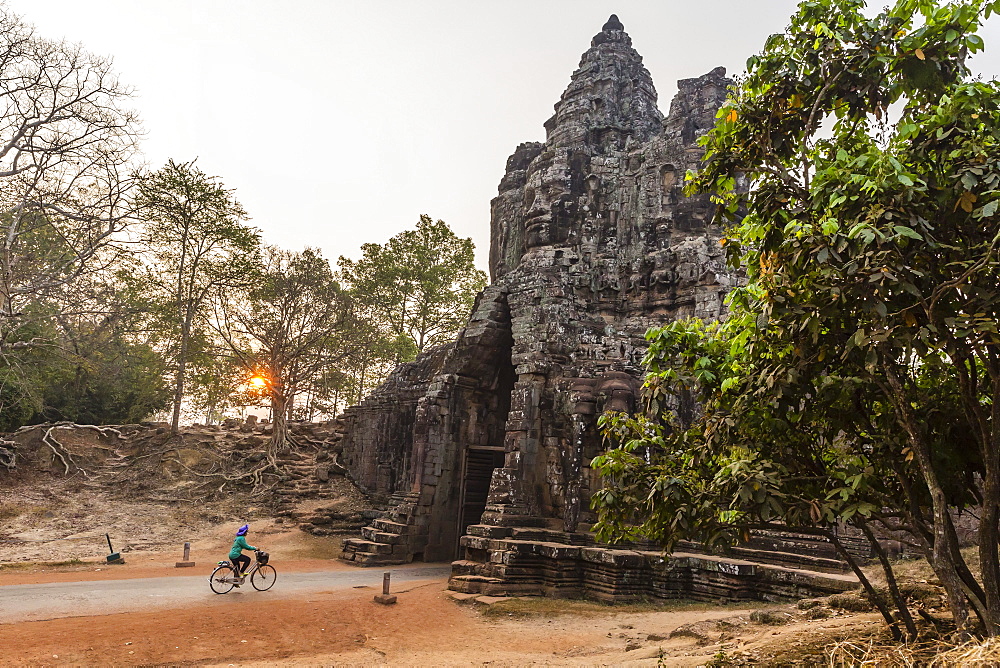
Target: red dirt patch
[[233, 631]]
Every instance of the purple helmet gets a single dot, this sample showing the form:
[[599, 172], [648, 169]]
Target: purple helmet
[[242, 531]]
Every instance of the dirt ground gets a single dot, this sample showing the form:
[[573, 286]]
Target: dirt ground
[[425, 628], [62, 521], [55, 533], [299, 553]]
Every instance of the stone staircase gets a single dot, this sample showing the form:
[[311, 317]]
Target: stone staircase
[[310, 474], [309, 477], [378, 545], [392, 538]]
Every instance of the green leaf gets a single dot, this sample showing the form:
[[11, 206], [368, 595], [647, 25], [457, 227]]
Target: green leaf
[[907, 232]]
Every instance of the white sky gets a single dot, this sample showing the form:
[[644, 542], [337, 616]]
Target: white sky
[[339, 123]]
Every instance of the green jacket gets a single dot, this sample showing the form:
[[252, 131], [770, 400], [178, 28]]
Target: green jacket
[[239, 545]]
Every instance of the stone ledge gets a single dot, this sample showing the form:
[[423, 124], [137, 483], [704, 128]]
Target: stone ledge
[[540, 568]]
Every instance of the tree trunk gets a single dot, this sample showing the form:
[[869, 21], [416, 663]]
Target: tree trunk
[[942, 560], [279, 423], [989, 531], [890, 581], [988, 556], [175, 421], [867, 585]]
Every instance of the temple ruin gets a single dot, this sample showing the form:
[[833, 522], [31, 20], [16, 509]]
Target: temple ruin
[[481, 448]]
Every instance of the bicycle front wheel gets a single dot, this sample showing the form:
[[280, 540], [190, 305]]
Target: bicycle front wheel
[[222, 580], [263, 578]]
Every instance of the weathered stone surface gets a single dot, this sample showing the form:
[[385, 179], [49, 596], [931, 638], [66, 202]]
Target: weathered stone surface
[[617, 575], [592, 242]]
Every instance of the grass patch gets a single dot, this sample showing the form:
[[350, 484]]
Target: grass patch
[[539, 606], [917, 570], [877, 652], [770, 617]]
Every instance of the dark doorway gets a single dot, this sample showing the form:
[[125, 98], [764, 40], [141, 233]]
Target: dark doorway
[[483, 451], [479, 465]]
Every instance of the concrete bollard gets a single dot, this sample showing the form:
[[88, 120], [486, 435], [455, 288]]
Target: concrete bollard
[[187, 563], [385, 598]]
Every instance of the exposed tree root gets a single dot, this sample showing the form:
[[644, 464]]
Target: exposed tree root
[[59, 451], [70, 465], [103, 431], [335, 466], [257, 475], [8, 454]]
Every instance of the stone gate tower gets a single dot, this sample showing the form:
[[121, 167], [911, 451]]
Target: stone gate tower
[[592, 242]]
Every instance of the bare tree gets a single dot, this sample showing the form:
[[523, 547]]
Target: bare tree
[[67, 142]]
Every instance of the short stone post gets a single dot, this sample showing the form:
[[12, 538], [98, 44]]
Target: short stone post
[[385, 598], [187, 563]]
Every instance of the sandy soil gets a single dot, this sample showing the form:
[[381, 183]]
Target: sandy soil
[[346, 627], [57, 519]]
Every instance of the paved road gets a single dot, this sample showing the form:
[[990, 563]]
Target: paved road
[[73, 599]]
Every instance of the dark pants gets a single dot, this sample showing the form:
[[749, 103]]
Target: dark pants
[[241, 563]]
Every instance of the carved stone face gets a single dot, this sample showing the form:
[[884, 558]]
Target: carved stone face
[[549, 207]]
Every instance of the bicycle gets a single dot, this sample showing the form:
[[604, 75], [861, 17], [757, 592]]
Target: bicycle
[[262, 575]]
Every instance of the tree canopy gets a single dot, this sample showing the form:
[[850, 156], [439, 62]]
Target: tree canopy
[[857, 377], [68, 139], [287, 327], [418, 287], [198, 242]]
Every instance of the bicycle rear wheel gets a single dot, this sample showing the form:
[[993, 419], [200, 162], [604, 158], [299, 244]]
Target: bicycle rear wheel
[[222, 580], [263, 578]]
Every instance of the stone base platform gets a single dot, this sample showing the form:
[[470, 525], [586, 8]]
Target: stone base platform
[[511, 566]]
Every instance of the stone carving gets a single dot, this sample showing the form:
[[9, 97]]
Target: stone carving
[[482, 448], [486, 443], [592, 242]]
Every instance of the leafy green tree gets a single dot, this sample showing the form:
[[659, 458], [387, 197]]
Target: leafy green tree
[[103, 368], [198, 243], [369, 358], [109, 381], [418, 288], [31, 345], [285, 327], [95, 366], [858, 375]]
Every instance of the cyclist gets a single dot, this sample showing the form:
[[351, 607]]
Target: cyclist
[[240, 562]]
